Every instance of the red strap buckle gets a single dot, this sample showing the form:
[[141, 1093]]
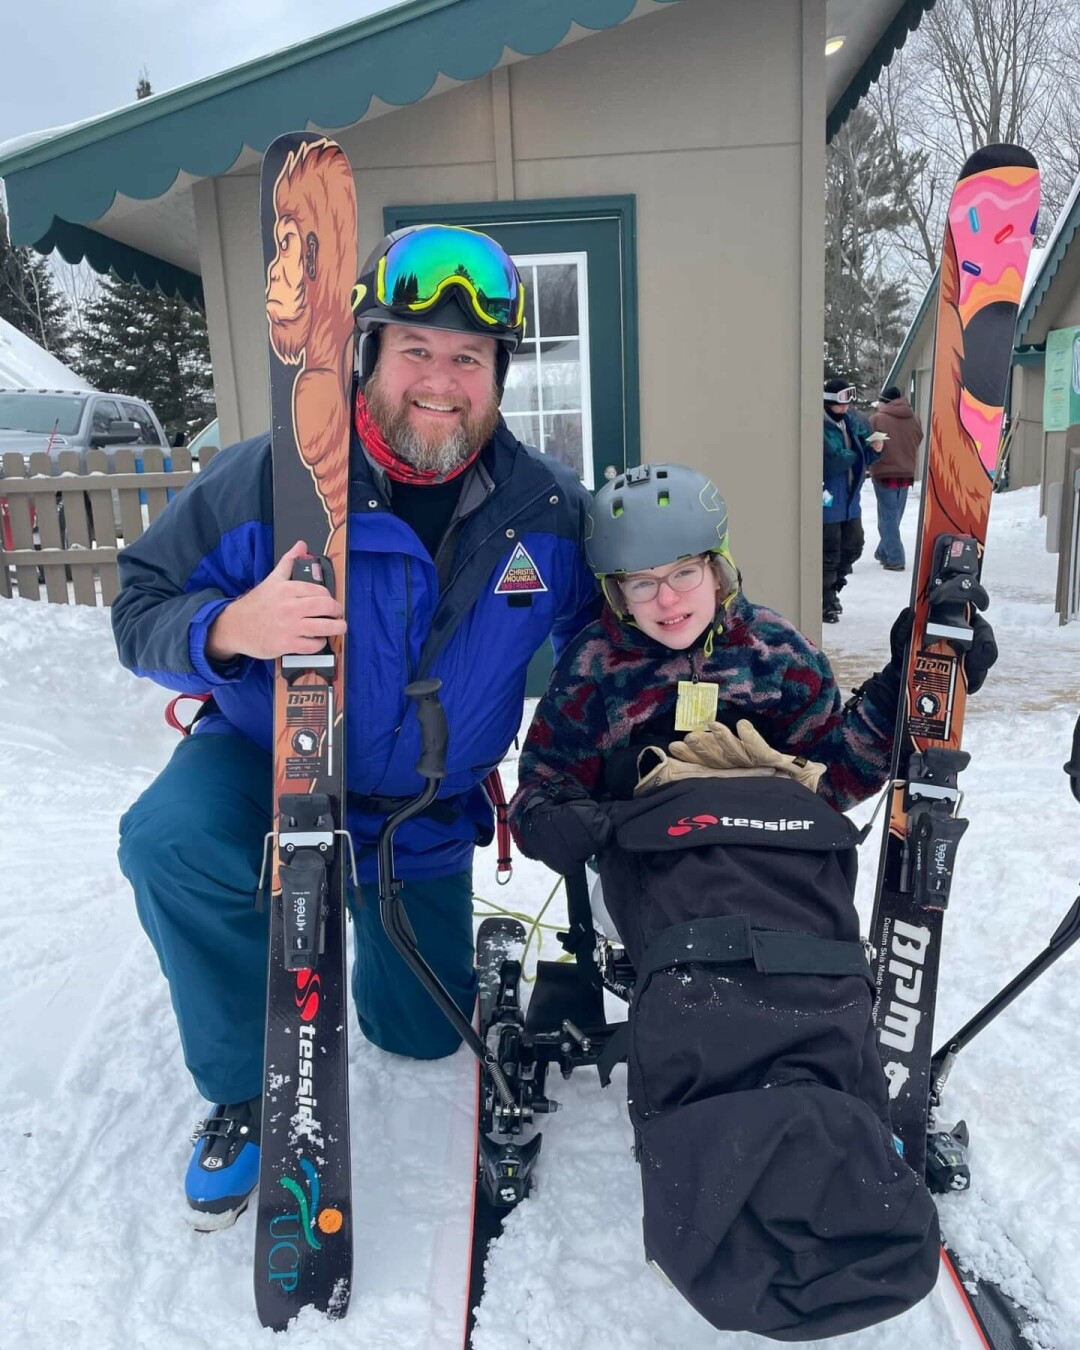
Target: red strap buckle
[[172, 718], [504, 865]]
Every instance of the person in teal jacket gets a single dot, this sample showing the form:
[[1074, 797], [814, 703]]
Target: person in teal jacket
[[847, 456], [464, 558]]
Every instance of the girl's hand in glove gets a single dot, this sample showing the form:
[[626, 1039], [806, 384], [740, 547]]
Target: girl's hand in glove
[[719, 748]]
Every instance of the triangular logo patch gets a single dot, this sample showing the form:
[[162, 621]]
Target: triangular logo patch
[[521, 575]]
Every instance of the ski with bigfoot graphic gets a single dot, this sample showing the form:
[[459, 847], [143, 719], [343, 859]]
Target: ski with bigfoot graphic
[[988, 238], [303, 1244]]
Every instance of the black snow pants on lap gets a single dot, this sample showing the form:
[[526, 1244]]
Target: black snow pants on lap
[[775, 1199]]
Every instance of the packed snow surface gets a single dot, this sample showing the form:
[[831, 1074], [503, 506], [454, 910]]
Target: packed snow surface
[[97, 1105]]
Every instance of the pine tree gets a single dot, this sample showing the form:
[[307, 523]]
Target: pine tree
[[864, 310], [29, 298], [153, 347], [150, 346]]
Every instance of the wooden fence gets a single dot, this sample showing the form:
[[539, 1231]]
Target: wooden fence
[[61, 529]]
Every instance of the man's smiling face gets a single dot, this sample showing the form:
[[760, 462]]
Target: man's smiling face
[[433, 394]]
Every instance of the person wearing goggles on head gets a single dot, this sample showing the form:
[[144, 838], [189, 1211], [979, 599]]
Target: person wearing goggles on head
[[694, 746], [465, 557], [848, 454]]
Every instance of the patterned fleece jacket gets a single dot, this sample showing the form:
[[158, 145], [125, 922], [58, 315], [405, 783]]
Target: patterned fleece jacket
[[614, 687]]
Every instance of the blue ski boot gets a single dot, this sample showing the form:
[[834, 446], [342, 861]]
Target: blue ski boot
[[224, 1168]]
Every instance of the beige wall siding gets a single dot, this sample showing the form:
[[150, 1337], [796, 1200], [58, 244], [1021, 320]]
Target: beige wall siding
[[1038, 456], [1026, 450], [699, 112]]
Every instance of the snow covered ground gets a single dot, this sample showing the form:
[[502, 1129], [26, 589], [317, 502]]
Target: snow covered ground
[[97, 1104]]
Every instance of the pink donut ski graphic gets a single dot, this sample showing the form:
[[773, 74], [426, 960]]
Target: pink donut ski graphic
[[992, 219]]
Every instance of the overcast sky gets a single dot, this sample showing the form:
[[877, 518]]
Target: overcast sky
[[62, 62]]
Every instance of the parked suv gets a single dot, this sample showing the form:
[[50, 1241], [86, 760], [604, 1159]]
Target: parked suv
[[59, 420]]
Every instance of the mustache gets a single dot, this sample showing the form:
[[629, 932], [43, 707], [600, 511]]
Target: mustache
[[436, 451]]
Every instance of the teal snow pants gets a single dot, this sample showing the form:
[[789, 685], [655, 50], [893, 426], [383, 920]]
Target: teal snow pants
[[191, 846]]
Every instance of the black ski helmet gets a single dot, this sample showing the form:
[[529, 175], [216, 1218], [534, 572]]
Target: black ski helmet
[[652, 515], [454, 308]]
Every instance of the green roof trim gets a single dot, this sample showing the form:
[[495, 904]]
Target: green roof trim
[[327, 81], [1064, 233], [894, 37]]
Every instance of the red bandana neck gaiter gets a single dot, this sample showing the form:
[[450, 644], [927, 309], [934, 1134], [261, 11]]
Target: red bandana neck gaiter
[[376, 445]]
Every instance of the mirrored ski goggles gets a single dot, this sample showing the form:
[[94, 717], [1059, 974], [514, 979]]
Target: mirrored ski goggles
[[841, 395], [417, 270]]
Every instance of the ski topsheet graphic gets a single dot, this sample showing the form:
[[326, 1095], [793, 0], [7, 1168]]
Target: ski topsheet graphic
[[303, 1245], [988, 237]]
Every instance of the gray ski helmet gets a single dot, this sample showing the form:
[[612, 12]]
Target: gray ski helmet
[[652, 515]]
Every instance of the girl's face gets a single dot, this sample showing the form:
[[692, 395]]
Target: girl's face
[[677, 610]]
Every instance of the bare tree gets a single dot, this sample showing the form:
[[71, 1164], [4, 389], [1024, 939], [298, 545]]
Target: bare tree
[[977, 72], [79, 285]]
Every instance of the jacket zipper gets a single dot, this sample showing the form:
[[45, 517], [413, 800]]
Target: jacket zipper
[[496, 528]]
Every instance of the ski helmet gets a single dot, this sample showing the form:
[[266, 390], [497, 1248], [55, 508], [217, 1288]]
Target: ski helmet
[[445, 277], [652, 515]]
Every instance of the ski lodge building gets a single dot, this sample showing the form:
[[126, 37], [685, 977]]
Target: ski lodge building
[[655, 166]]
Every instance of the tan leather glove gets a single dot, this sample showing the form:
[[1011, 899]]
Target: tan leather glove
[[719, 748], [670, 770]]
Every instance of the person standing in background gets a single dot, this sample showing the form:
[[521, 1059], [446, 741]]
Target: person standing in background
[[893, 472], [846, 456]]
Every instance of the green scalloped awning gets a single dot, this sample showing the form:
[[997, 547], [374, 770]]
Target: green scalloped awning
[[894, 37], [59, 184]]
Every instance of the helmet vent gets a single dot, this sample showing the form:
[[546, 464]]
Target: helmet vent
[[663, 499], [617, 507]]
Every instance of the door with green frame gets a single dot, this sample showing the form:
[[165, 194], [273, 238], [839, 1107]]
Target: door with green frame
[[572, 390]]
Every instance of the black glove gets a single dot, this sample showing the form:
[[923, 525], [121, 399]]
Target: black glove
[[883, 689], [563, 827], [978, 658], [981, 655]]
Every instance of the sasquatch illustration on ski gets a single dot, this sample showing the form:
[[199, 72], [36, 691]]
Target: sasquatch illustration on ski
[[691, 743]]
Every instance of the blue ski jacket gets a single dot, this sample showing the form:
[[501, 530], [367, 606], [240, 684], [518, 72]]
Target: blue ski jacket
[[514, 576], [844, 469]]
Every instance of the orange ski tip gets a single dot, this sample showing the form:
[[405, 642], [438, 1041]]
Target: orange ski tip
[[1016, 175]]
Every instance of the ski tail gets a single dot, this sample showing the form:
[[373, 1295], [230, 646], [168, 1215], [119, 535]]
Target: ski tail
[[988, 1319], [500, 948]]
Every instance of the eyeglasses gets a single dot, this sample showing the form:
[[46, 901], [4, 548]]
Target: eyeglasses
[[842, 395], [417, 269], [686, 577]]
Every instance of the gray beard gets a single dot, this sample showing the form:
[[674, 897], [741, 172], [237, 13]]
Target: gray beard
[[440, 459]]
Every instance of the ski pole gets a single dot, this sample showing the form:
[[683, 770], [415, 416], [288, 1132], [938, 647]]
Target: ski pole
[[941, 1065], [1065, 935], [432, 768]]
